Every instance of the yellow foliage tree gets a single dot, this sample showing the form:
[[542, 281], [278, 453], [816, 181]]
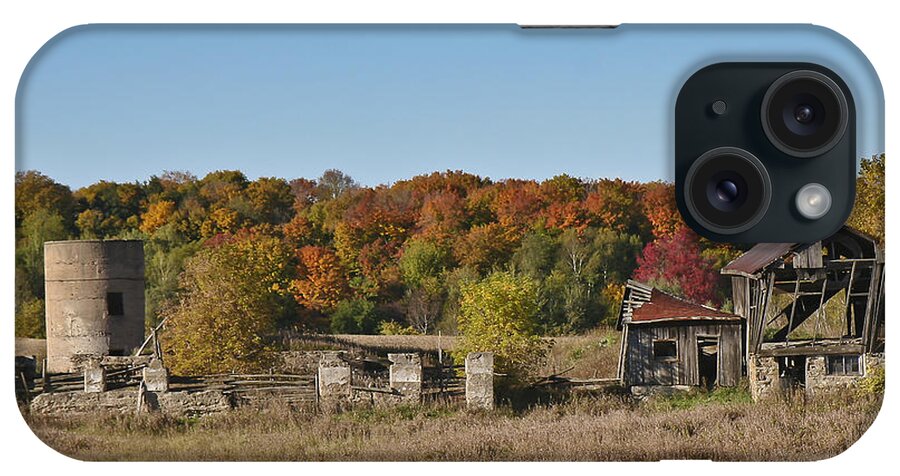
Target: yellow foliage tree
[[498, 314], [868, 210], [232, 296], [157, 215]]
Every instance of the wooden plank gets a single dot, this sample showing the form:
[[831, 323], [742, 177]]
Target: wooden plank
[[840, 349], [292, 383]]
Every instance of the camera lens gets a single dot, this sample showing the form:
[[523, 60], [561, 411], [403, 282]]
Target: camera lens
[[727, 190], [804, 113]]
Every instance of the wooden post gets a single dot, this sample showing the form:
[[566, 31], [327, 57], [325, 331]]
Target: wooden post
[[45, 377], [140, 397], [25, 387]]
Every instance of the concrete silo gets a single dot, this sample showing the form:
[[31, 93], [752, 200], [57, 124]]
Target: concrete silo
[[94, 300]]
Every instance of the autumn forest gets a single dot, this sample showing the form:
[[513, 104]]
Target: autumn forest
[[330, 255]]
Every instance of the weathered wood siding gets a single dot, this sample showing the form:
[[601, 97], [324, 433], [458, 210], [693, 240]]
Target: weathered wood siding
[[642, 369], [740, 295]]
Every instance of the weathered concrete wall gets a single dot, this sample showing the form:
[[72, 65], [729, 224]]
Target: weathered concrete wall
[[406, 376], [79, 275], [124, 400], [334, 379], [480, 380]]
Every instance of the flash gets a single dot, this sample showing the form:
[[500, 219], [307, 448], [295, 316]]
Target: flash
[[813, 201]]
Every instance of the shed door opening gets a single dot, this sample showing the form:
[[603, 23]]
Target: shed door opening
[[708, 361]]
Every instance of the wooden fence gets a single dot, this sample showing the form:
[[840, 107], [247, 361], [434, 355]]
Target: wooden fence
[[249, 388], [444, 382]]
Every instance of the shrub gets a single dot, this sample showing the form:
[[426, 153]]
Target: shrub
[[872, 383], [497, 314], [391, 328]]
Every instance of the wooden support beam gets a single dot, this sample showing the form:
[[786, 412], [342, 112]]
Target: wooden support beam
[[821, 349]]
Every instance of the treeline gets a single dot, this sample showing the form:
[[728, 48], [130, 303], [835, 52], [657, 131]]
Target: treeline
[[331, 255]]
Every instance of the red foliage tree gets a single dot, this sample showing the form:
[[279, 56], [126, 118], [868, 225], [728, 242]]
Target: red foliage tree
[[442, 215], [518, 204], [675, 264]]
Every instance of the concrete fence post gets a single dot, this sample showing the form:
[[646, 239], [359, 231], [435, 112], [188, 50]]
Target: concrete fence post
[[156, 376], [406, 376], [334, 378], [480, 380], [94, 377]]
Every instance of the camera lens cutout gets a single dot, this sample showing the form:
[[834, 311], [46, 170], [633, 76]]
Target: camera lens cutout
[[727, 190], [804, 113]]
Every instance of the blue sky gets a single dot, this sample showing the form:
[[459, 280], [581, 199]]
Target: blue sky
[[384, 103]]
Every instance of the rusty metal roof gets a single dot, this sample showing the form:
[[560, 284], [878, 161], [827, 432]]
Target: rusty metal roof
[[762, 256], [644, 304], [759, 258], [665, 307]]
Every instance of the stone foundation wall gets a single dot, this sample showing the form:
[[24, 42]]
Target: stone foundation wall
[[765, 381], [124, 401], [763, 375]]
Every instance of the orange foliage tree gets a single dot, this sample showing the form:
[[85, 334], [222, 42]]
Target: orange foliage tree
[[321, 281]]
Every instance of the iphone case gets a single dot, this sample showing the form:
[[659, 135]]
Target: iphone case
[[421, 242]]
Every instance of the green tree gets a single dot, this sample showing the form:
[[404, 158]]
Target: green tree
[[497, 314], [38, 226], [536, 256], [588, 263], [422, 265], [354, 316], [423, 259], [30, 318]]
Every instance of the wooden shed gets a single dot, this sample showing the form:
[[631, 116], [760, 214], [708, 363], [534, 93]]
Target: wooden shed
[[669, 341]]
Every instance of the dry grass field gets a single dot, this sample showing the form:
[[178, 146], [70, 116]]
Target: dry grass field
[[719, 426]]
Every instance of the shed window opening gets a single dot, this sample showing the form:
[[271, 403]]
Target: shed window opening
[[665, 350], [115, 305], [843, 365]]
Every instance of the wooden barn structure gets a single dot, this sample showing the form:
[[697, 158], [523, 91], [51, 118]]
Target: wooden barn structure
[[814, 311], [670, 342]]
